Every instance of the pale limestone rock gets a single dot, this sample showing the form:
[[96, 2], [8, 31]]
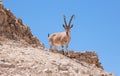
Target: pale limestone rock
[[18, 60]]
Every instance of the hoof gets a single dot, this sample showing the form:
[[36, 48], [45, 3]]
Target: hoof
[[51, 50], [66, 54], [55, 51]]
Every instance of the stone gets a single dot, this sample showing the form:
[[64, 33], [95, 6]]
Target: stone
[[13, 28]]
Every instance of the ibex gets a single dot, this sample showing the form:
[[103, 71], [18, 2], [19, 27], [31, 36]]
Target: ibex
[[61, 38]]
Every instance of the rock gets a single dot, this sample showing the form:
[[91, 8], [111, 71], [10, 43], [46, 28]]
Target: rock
[[4, 65], [3, 17], [47, 70], [62, 68], [13, 28], [88, 57]]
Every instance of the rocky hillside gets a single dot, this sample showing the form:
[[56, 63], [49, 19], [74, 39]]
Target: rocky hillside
[[18, 59], [87, 57], [13, 28], [21, 54]]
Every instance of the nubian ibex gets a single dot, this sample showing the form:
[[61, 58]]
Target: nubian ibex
[[61, 38]]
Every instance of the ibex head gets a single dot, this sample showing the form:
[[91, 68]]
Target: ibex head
[[66, 26]]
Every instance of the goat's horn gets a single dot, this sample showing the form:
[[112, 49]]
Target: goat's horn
[[71, 19], [65, 20]]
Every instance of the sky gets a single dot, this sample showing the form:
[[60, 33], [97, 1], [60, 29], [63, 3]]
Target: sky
[[96, 25]]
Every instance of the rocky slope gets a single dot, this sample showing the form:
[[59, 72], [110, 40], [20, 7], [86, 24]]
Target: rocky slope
[[21, 54], [18, 59], [13, 28], [89, 57]]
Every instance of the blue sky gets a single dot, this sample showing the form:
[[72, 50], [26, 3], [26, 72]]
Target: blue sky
[[96, 26]]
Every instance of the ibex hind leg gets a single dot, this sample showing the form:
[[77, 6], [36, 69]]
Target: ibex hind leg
[[55, 49], [51, 48], [63, 50], [67, 53]]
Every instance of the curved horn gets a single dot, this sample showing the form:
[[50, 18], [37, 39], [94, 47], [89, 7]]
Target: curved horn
[[71, 26], [64, 26], [65, 20], [71, 19]]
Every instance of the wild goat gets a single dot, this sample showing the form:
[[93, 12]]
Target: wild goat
[[61, 38]]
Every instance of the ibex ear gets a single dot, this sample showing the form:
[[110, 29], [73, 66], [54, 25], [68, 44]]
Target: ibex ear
[[64, 26], [71, 26]]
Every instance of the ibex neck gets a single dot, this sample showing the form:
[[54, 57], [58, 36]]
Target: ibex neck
[[68, 33]]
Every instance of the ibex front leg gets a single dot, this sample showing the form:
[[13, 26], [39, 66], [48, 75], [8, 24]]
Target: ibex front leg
[[67, 53], [56, 49], [63, 49], [51, 48]]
